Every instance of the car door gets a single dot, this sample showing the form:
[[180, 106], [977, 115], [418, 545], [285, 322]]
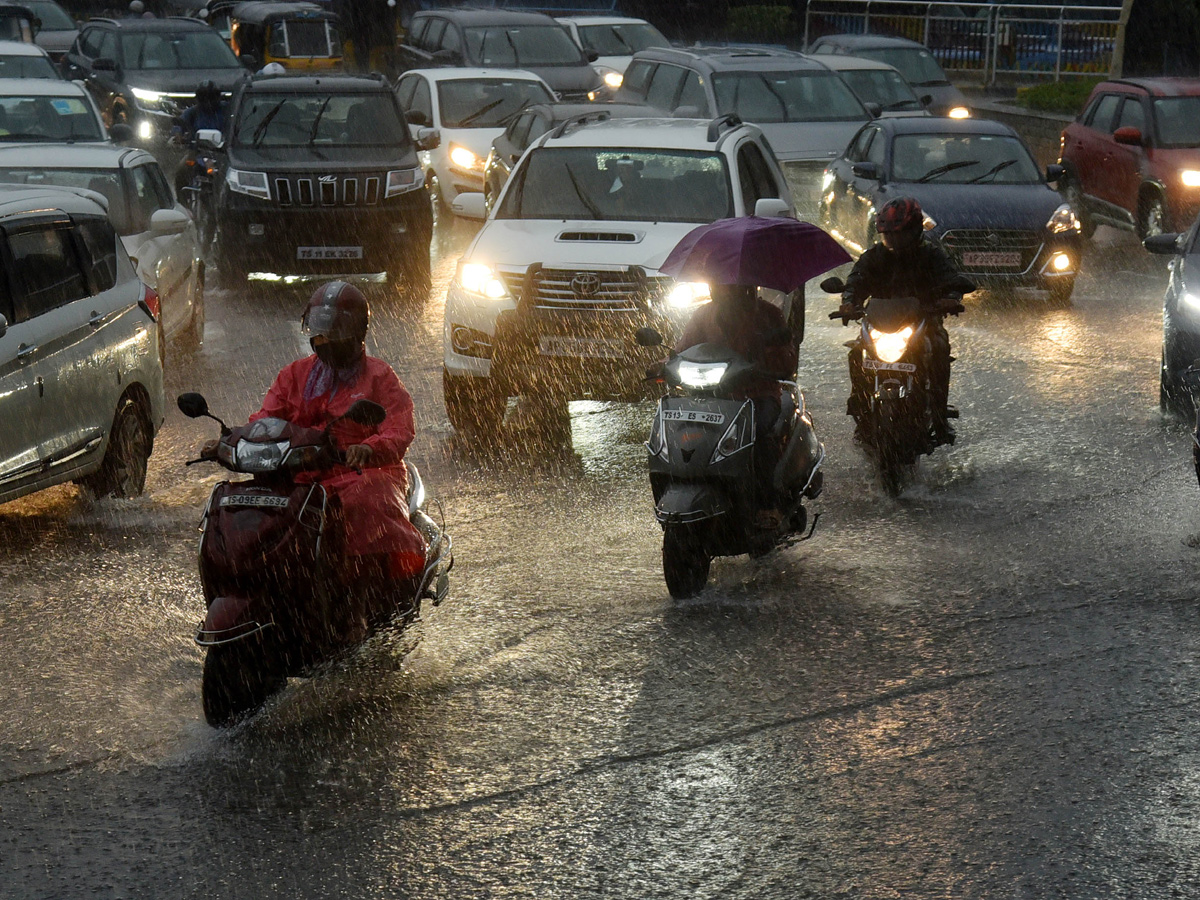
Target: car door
[[862, 190], [1125, 163], [164, 261], [835, 202], [1088, 146], [755, 179], [21, 386], [663, 90]]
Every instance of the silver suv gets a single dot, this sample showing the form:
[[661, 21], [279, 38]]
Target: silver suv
[[81, 347]]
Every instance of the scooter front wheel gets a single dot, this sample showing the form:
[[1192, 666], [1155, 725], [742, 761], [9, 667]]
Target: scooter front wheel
[[685, 561], [235, 684]]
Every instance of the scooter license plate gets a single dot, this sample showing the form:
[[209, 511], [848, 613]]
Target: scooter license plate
[[255, 500], [879, 366], [329, 253], [693, 415]]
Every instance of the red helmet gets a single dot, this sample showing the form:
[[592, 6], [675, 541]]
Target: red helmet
[[899, 215], [339, 311]]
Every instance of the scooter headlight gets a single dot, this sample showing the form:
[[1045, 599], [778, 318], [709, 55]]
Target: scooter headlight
[[890, 346], [701, 375], [255, 457]]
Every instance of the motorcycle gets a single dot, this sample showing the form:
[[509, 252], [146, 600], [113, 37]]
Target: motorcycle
[[702, 464], [198, 184], [898, 425], [273, 567]]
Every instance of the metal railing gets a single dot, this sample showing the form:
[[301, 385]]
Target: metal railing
[[984, 40]]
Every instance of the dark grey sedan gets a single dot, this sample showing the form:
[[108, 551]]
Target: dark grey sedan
[[985, 200], [1180, 376]]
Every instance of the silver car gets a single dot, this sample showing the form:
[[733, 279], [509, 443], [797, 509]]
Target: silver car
[[81, 378]]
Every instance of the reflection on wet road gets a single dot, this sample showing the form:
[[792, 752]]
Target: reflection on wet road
[[984, 688]]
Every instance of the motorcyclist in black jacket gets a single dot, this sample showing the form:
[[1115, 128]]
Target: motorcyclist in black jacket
[[904, 265]]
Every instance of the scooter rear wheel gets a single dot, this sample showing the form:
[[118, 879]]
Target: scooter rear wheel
[[685, 561], [234, 685]]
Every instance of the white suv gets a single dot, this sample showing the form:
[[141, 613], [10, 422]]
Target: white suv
[[548, 297], [81, 383]]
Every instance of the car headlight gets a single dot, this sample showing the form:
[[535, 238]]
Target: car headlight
[[701, 375], [252, 183], [254, 457], [148, 100], [688, 293], [463, 158], [613, 79], [1063, 220], [890, 346], [476, 278], [1190, 178], [959, 112], [1190, 300], [400, 181]]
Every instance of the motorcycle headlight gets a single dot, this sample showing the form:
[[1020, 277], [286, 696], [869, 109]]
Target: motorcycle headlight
[[253, 184], [400, 181], [1063, 220], [688, 293], [476, 278], [465, 159], [890, 346], [152, 101], [701, 375], [1190, 178], [255, 457]]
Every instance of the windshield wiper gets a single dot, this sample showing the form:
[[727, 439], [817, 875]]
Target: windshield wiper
[[583, 198], [516, 53], [783, 110], [948, 167], [993, 170], [261, 130], [617, 35], [903, 104], [486, 108], [312, 132]]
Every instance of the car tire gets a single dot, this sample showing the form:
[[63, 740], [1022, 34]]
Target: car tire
[[475, 406], [1072, 192], [122, 472], [1152, 216], [1172, 398], [1061, 291]]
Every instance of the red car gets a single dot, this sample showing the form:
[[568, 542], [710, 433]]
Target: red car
[[1132, 158]]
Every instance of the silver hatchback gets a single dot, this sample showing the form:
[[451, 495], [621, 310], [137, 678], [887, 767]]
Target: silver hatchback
[[81, 349]]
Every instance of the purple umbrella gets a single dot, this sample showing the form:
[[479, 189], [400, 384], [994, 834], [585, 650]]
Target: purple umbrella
[[778, 253]]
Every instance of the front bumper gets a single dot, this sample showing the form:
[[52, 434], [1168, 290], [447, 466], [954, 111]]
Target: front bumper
[[1018, 258]]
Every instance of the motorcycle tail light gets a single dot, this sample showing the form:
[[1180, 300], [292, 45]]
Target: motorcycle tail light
[[150, 302]]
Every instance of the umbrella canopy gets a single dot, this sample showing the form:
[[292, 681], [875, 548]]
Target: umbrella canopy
[[777, 253]]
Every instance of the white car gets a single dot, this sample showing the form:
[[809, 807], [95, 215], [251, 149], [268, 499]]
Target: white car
[[469, 108], [548, 297], [157, 232], [614, 40], [38, 110]]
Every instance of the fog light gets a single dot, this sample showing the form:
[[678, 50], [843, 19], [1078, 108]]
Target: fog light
[[1061, 262], [258, 230], [145, 130]]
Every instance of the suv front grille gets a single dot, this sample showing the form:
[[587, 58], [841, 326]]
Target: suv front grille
[[988, 240], [588, 289], [328, 190]]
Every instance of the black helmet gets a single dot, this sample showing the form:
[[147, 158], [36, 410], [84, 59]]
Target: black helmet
[[338, 311], [206, 92]]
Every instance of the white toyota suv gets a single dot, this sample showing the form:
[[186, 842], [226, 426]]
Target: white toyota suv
[[548, 297]]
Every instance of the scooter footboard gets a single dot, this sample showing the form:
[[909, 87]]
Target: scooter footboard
[[683, 502]]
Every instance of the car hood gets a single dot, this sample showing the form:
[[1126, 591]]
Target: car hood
[[945, 97], [327, 159], [477, 140], [794, 141], [183, 82], [56, 43], [568, 79], [1019, 206], [518, 243]]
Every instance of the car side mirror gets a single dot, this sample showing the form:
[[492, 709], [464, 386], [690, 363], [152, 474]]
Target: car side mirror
[[416, 117], [210, 139], [470, 205], [647, 337], [428, 139], [1128, 135], [3, 325], [104, 64], [868, 170], [591, 55], [926, 99], [121, 133], [833, 285], [874, 109], [1055, 173], [169, 221], [772, 208], [1163, 244]]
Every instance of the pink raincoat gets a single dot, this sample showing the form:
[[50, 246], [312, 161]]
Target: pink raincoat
[[375, 509]]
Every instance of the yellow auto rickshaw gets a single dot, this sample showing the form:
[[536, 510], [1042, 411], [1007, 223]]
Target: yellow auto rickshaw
[[300, 36]]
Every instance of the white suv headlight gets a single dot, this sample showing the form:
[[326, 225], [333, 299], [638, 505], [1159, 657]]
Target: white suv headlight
[[476, 278], [252, 183], [1063, 220]]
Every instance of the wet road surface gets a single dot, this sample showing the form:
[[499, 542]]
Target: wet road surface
[[984, 688]]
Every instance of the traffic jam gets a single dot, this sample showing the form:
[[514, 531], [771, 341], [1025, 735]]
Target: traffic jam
[[654, 436]]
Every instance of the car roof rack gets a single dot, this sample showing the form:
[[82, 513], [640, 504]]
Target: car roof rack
[[722, 123], [579, 121]]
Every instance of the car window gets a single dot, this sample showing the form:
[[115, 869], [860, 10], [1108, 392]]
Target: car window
[[1178, 120], [664, 86], [538, 126], [518, 130], [486, 102], [89, 42], [755, 176], [452, 39], [405, 88], [857, 151], [158, 50], [27, 67], [46, 271], [962, 158], [147, 197], [620, 39], [521, 46], [637, 76], [107, 47], [416, 31], [359, 119], [53, 16], [106, 182], [916, 64], [41, 118], [693, 94], [422, 99], [882, 86], [432, 38], [100, 250], [1103, 113], [795, 96], [1133, 115], [877, 149]]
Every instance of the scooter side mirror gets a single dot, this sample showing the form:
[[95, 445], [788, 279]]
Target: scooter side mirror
[[648, 337], [833, 285], [193, 405], [366, 412]]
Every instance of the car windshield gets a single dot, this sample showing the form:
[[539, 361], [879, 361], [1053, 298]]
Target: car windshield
[[487, 102], [620, 39], [176, 50], [269, 119], [27, 67], [48, 119], [305, 37], [883, 86], [962, 159], [1178, 121], [916, 64], [620, 185], [522, 46], [53, 16], [106, 182], [769, 97]]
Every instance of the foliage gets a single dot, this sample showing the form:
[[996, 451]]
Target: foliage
[[759, 23], [1057, 96]]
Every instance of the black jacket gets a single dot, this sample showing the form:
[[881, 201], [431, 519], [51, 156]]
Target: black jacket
[[923, 272]]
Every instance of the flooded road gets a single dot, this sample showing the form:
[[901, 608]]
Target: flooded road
[[984, 688]]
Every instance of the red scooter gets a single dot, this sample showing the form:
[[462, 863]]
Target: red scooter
[[278, 585]]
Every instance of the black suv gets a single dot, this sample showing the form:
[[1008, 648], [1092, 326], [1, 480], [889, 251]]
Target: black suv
[[503, 39], [145, 71], [321, 178]]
